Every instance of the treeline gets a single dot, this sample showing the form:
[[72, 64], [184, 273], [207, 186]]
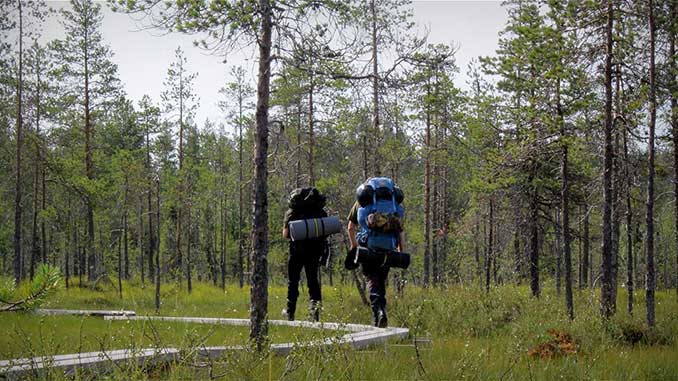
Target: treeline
[[556, 161]]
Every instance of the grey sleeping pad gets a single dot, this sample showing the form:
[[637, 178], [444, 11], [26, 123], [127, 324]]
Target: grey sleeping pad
[[314, 228]]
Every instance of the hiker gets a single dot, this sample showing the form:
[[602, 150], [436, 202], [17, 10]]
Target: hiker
[[304, 203], [375, 226]]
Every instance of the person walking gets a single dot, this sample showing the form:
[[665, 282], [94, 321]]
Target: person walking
[[304, 203]]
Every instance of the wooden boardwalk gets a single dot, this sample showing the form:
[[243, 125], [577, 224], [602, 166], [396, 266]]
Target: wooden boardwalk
[[358, 336]]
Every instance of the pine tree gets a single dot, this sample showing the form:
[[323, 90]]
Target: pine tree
[[90, 84], [179, 103]]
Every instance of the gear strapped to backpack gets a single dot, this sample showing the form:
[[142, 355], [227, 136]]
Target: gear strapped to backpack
[[306, 206], [380, 214]]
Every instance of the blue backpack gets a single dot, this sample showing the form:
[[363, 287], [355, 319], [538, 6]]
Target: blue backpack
[[380, 213]]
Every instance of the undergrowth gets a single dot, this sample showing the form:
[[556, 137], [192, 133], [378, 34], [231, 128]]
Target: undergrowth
[[460, 332]]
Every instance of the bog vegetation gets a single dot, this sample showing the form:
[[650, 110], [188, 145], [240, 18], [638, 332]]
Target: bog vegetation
[[542, 197]]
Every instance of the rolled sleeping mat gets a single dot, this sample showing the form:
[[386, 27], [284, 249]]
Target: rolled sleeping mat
[[301, 230], [382, 258]]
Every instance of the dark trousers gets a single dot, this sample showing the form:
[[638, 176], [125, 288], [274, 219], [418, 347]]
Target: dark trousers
[[309, 260], [376, 284]]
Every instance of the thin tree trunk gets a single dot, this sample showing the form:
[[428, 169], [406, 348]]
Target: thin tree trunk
[[259, 288], [149, 195], [92, 263], [649, 218], [156, 273], [565, 208], [490, 247], [35, 245], [297, 178], [19, 141], [120, 275], [140, 234], [629, 229], [311, 135], [427, 198], [241, 223], [534, 238], [375, 91], [68, 248], [189, 244], [607, 250], [125, 245], [223, 242], [558, 247], [476, 249]]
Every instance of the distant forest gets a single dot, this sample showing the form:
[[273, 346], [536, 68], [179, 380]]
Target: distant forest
[[555, 167]]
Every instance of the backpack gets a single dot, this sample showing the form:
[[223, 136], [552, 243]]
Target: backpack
[[380, 214], [306, 199], [306, 203]]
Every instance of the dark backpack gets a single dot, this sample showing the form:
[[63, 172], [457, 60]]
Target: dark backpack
[[306, 199]]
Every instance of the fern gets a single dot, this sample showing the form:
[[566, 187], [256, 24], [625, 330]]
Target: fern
[[44, 283]]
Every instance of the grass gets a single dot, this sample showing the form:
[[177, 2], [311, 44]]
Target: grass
[[473, 334], [29, 335]]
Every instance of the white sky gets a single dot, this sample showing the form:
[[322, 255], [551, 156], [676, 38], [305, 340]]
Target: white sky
[[144, 56]]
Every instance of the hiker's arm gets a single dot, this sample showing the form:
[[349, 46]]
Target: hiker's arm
[[286, 232], [352, 235], [401, 242]]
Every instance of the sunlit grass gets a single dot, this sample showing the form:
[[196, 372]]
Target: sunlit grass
[[473, 334]]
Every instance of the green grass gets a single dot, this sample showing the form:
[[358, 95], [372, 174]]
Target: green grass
[[29, 335], [474, 335]]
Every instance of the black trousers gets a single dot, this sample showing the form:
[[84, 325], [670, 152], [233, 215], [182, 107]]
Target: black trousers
[[308, 259], [376, 284]]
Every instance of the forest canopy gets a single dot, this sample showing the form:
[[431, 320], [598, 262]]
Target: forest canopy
[[556, 166]]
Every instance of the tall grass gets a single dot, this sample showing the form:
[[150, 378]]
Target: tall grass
[[464, 333]]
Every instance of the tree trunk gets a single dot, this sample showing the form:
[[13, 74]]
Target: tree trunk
[[223, 242], [674, 122], [92, 263], [19, 141], [157, 249], [120, 275], [189, 244], [140, 245], [518, 262], [259, 288], [241, 223], [69, 247], [427, 198], [558, 246], [476, 249], [490, 247], [35, 244], [375, 91], [311, 137], [649, 218], [565, 208], [297, 177], [534, 238], [125, 245], [149, 195], [180, 184], [607, 250]]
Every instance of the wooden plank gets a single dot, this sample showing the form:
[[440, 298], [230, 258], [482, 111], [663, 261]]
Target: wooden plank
[[102, 313], [17, 369], [359, 336]]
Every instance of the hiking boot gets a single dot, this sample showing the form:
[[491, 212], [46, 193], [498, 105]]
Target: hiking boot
[[314, 310], [288, 312], [382, 321], [379, 318]]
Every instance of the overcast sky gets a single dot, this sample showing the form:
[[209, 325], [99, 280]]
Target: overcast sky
[[144, 56]]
